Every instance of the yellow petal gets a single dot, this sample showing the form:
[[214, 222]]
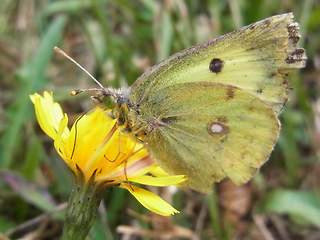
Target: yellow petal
[[88, 133], [129, 169], [119, 152], [60, 143], [97, 158], [159, 172], [158, 181], [150, 200], [49, 113]]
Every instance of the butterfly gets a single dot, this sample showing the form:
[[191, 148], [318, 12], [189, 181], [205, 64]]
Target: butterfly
[[211, 111]]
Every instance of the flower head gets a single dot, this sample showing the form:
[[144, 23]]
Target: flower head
[[97, 148]]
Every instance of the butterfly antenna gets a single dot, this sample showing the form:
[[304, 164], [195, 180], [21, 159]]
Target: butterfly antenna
[[62, 53]]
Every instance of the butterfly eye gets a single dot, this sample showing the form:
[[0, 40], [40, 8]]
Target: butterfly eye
[[216, 65]]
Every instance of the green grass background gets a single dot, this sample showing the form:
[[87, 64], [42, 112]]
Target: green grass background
[[116, 41]]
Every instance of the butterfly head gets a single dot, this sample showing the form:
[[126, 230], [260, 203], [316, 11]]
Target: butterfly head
[[106, 98], [109, 98]]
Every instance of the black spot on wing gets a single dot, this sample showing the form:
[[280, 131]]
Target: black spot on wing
[[271, 75], [252, 26], [216, 65], [295, 56], [266, 23], [169, 119], [222, 119], [230, 93]]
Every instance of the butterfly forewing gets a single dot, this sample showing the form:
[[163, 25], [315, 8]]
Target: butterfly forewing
[[255, 58]]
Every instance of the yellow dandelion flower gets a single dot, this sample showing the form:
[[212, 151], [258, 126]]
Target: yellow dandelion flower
[[96, 150]]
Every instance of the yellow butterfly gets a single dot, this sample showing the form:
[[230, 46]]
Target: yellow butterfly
[[210, 111]]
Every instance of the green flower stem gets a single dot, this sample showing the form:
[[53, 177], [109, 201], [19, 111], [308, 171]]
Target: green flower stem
[[82, 207]]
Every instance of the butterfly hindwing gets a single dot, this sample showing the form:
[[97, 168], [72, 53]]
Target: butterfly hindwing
[[210, 131]]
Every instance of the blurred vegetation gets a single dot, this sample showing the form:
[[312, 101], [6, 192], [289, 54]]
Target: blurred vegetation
[[117, 41]]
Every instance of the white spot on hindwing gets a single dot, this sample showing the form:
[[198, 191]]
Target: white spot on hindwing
[[216, 128]]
